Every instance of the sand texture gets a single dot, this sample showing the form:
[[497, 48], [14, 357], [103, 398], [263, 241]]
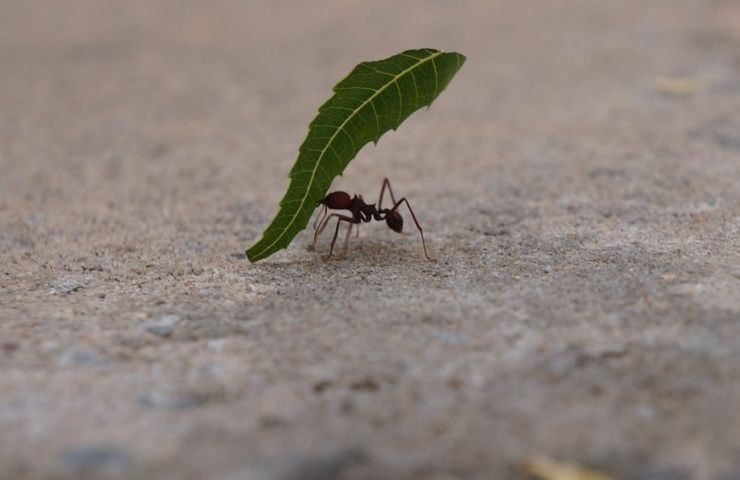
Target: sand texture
[[579, 182]]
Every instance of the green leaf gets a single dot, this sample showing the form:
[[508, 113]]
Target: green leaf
[[374, 98]]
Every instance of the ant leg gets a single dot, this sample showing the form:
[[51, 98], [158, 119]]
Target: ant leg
[[321, 214], [322, 226], [386, 183], [317, 222], [423, 243], [340, 218], [346, 238]]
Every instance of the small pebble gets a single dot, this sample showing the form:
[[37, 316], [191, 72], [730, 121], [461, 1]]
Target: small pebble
[[368, 384], [165, 401], [66, 287], [449, 337], [678, 87], [78, 356], [323, 467], [9, 347], [164, 327], [96, 460], [194, 247], [216, 344], [296, 466]]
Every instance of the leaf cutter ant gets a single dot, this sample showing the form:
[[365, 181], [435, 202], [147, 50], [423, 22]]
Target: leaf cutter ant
[[362, 212]]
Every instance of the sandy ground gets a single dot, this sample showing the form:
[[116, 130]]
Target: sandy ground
[[579, 182]]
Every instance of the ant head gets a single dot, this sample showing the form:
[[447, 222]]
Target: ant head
[[337, 200], [394, 220]]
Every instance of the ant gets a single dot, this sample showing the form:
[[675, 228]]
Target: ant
[[362, 212]]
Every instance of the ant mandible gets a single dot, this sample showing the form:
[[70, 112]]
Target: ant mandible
[[362, 212]]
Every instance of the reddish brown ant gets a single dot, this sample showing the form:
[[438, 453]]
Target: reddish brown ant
[[362, 212]]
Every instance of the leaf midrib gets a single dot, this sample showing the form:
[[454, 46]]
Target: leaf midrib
[[331, 140]]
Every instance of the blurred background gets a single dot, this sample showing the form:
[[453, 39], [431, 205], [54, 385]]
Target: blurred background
[[578, 181]]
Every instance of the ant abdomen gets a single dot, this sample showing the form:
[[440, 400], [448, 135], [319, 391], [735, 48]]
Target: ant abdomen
[[394, 220]]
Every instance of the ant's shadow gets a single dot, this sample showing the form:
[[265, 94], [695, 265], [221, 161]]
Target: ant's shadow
[[364, 251]]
